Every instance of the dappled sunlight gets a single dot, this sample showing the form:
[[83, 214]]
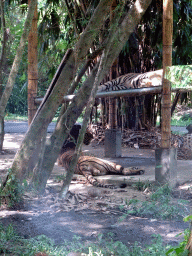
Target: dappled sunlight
[[99, 151], [5, 163], [12, 141], [88, 226], [167, 230], [7, 213]]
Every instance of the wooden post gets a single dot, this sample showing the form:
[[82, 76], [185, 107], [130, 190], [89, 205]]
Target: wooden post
[[112, 113], [32, 68], [113, 101], [113, 135], [166, 157], [167, 62]]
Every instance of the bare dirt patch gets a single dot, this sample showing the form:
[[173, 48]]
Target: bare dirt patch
[[88, 211]]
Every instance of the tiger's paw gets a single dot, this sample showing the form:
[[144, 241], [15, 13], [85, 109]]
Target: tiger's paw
[[133, 171]]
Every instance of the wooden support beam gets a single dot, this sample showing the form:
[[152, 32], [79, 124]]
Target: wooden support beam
[[113, 101], [32, 68], [167, 62]]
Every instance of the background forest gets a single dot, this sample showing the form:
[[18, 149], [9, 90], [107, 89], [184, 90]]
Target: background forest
[[66, 28], [61, 22]]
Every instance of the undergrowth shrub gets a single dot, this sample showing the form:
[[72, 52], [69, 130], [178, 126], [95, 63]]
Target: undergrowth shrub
[[12, 244], [12, 193], [160, 205]]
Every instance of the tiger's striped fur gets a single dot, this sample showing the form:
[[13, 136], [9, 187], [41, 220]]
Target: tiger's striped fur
[[90, 166], [133, 81]]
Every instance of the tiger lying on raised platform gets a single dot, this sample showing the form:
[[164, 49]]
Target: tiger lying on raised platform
[[133, 81]]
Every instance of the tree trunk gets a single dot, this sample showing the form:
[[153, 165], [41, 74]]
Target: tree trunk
[[54, 144], [56, 91], [175, 101], [189, 244], [115, 42], [89, 106], [167, 62], [1, 133], [15, 67], [32, 67], [64, 125], [2, 64]]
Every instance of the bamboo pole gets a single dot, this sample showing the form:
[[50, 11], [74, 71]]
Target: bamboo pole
[[123, 93], [32, 67], [113, 101], [167, 61]]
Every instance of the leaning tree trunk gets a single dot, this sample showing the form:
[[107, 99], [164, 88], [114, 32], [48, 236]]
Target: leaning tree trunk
[[56, 91], [55, 95], [2, 64], [66, 122], [15, 67], [76, 155], [189, 244], [64, 125]]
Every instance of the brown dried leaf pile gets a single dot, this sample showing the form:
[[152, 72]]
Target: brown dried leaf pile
[[145, 139]]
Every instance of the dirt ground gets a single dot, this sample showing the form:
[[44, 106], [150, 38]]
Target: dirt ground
[[87, 211]]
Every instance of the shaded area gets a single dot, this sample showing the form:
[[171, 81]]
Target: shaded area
[[94, 213], [88, 224]]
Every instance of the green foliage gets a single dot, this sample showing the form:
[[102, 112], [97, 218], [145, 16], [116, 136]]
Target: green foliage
[[14, 19], [17, 103], [8, 239], [60, 178], [180, 76], [182, 36], [13, 192], [181, 120], [12, 244], [180, 250], [160, 205], [141, 186], [187, 218], [57, 32], [15, 117]]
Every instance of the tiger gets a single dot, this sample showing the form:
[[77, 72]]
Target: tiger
[[133, 81], [70, 142], [90, 166]]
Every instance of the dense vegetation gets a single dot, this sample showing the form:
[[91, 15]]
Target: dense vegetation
[[160, 206], [12, 244], [59, 26]]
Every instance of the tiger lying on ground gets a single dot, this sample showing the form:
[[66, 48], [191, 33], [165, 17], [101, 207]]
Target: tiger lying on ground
[[90, 166]]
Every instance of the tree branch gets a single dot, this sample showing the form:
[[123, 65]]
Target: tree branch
[[15, 67], [39, 124], [75, 157]]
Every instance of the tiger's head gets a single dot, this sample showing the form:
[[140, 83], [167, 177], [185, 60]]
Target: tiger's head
[[88, 137]]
